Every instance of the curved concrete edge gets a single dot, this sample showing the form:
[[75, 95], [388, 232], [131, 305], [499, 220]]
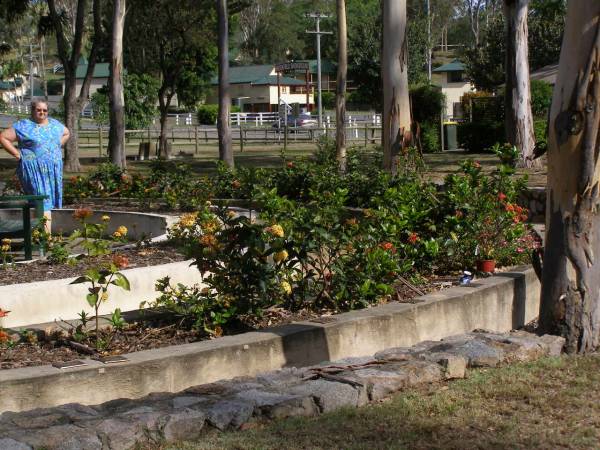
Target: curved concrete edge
[[46, 301], [506, 301]]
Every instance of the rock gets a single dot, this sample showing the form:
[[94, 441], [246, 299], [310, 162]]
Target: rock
[[330, 395], [45, 421], [228, 413], [394, 354], [297, 406], [282, 378], [62, 437], [11, 444], [477, 352], [77, 411], [259, 398], [119, 434], [453, 366], [380, 383], [553, 344], [185, 401], [186, 424], [418, 372]]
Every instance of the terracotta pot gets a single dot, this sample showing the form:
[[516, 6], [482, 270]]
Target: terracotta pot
[[486, 265]]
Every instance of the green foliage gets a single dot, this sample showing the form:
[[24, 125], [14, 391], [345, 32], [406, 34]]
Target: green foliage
[[540, 128], [507, 153], [480, 136], [481, 218], [430, 137], [427, 101], [541, 98], [328, 98], [140, 97], [485, 64], [207, 114]]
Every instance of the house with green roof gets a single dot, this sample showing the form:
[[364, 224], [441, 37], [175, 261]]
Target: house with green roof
[[11, 89], [451, 79], [99, 77], [255, 89]]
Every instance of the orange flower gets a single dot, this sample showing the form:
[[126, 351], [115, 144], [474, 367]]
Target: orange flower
[[388, 246], [82, 213], [4, 337], [120, 261], [501, 196], [236, 184], [3, 312], [413, 238], [208, 240]]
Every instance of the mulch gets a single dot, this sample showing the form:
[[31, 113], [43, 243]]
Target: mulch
[[41, 270]]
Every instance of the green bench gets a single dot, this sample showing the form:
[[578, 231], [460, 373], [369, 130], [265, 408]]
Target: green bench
[[11, 228]]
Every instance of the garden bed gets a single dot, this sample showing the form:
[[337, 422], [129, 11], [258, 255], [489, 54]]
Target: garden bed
[[42, 270], [36, 347]]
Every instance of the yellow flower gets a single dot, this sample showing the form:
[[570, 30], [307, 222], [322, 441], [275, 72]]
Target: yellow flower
[[210, 226], [104, 296], [5, 248], [276, 230], [187, 220], [6, 241], [208, 240], [286, 287], [280, 256], [122, 229], [117, 234], [105, 218]]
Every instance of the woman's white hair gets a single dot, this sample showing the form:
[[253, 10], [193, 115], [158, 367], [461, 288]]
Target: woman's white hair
[[37, 101]]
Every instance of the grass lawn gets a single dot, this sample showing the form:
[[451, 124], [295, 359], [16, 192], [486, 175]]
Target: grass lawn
[[549, 404]]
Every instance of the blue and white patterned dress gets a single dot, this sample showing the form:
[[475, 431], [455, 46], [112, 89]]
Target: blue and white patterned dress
[[41, 167]]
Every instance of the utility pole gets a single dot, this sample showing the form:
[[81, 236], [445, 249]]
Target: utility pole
[[31, 72], [318, 16], [428, 42]]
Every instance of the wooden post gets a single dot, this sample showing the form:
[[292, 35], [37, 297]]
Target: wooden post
[[285, 137], [196, 140], [100, 140], [241, 138], [366, 133], [206, 136]]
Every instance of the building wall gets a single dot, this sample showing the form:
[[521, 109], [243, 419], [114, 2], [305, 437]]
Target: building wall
[[452, 91], [259, 98]]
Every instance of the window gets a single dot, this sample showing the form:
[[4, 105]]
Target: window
[[456, 77]]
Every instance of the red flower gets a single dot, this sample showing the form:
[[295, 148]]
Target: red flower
[[3, 312], [501, 196], [477, 165], [413, 238], [120, 261], [82, 213], [236, 184], [290, 165]]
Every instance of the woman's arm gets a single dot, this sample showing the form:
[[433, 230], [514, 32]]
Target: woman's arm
[[65, 137], [7, 137]]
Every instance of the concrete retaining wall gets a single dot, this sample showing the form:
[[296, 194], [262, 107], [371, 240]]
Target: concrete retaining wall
[[45, 301], [499, 303]]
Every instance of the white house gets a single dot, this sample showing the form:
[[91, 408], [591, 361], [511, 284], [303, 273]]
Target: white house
[[451, 78], [254, 88]]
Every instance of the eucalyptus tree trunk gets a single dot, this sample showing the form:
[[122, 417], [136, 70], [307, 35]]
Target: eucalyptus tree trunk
[[397, 134], [518, 117], [225, 147], [116, 138], [69, 51], [340, 98], [570, 301]]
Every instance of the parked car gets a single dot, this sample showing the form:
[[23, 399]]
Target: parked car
[[302, 121]]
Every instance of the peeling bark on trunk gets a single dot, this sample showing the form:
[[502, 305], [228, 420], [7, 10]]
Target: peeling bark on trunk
[[519, 119], [397, 134], [225, 147], [164, 101], [570, 300], [116, 138], [340, 99]]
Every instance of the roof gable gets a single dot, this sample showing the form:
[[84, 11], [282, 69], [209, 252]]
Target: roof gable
[[101, 70], [454, 66]]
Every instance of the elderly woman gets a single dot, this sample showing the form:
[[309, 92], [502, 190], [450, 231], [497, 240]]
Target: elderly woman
[[39, 154]]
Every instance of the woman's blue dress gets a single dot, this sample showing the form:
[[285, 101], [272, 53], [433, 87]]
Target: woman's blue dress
[[40, 168]]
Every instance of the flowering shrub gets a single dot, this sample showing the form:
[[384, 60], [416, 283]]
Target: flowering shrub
[[482, 219], [5, 339], [5, 256]]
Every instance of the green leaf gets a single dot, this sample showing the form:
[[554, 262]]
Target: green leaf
[[80, 280], [92, 299], [121, 281]]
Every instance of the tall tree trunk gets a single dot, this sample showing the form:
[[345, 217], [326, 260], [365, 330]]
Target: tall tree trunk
[[225, 148], [518, 118], [394, 66], [116, 138], [69, 52], [570, 301], [164, 101], [340, 98]]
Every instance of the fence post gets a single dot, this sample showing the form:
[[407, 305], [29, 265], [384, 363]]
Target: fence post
[[366, 132], [176, 119], [285, 138], [100, 140], [206, 135], [196, 139], [173, 135], [260, 118], [241, 138], [355, 130]]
